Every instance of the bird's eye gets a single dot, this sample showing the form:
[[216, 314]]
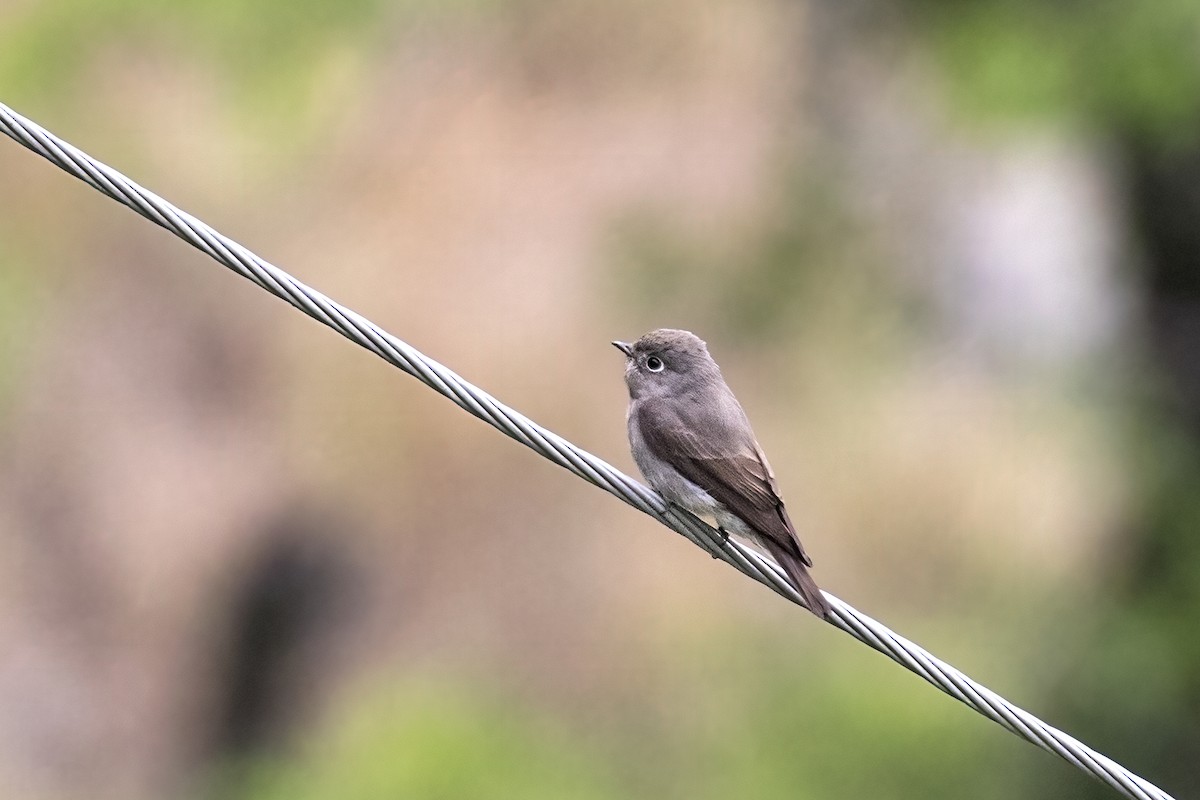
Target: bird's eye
[[654, 364]]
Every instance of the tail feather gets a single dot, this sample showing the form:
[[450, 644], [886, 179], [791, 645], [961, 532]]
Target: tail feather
[[804, 583]]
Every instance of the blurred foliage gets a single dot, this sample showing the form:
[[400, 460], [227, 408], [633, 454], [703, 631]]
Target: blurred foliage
[[1129, 73], [49, 44], [1110, 63], [434, 739], [266, 55], [790, 733], [1133, 681], [806, 267], [781, 734]]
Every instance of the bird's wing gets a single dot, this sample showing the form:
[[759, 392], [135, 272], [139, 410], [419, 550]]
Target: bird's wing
[[724, 461]]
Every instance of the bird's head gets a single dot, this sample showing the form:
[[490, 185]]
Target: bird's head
[[665, 362]]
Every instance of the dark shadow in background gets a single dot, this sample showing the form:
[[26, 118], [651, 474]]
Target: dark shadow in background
[[282, 626]]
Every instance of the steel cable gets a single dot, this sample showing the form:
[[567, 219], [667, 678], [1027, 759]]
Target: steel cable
[[479, 403]]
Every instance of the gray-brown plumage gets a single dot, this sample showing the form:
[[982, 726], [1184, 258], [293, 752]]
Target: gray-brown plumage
[[693, 443]]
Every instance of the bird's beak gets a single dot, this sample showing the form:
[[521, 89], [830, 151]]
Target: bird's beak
[[624, 347]]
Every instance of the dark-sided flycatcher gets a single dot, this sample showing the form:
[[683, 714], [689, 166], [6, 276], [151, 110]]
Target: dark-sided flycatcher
[[693, 443]]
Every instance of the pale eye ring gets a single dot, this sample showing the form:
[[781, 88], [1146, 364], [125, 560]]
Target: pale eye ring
[[654, 364]]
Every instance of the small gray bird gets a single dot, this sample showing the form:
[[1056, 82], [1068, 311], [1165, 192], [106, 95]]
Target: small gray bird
[[693, 443]]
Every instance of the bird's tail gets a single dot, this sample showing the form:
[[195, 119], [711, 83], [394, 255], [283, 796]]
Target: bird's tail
[[795, 569]]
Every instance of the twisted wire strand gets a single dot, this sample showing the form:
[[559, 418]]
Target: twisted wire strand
[[479, 403]]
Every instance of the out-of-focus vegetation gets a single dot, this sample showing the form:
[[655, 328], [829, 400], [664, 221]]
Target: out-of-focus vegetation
[[946, 253], [1131, 66], [1128, 73], [439, 739]]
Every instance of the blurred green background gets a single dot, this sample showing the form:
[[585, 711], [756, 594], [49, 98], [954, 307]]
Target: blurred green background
[[948, 254]]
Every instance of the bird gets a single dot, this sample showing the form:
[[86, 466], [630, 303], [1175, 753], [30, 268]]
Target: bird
[[693, 442]]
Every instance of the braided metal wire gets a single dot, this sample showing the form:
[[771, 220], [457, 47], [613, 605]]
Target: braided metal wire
[[587, 466]]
